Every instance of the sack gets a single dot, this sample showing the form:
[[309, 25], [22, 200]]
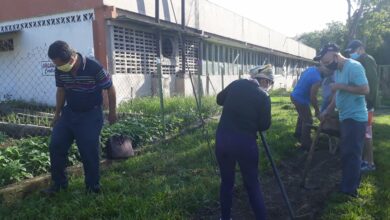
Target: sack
[[119, 147]]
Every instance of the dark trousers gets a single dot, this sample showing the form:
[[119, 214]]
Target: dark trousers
[[302, 130], [232, 147], [84, 127], [351, 148]]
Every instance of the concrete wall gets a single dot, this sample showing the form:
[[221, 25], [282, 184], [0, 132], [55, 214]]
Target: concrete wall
[[26, 72], [130, 86], [211, 18]]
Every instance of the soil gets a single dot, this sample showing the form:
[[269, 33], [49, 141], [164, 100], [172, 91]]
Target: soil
[[306, 202]]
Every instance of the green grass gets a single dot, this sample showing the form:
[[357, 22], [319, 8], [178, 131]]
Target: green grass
[[169, 181], [29, 156], [174, 105], [374, 193], [178, 180]]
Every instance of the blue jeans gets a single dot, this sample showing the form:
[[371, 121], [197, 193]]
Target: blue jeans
[[232, 147], [351, 148], [84, 127]]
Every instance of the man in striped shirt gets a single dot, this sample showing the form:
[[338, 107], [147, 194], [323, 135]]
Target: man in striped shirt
[[79, 116]]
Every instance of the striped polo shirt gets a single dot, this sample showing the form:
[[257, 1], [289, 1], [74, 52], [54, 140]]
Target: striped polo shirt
[[83, 92]]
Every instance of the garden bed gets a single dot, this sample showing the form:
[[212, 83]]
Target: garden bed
[[23, 130], [178, 179], [29, 156], [11, 193]]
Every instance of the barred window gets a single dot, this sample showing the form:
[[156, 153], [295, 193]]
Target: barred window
[[6, 45], [167, 48]]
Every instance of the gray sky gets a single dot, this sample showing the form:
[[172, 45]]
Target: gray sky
[[290, 17]]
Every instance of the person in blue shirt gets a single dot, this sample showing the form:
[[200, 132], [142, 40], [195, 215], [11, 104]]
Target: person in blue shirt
[[78, 116], [246, 111], [350, 86], [304, 94]]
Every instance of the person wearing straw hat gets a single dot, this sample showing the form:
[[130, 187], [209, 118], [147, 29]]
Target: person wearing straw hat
[[246, 111]]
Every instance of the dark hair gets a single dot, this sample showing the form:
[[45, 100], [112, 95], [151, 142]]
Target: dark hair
[[60, 50]]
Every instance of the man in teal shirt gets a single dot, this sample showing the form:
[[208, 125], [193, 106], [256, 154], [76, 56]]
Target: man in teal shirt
[[357, 51], [351, 86]]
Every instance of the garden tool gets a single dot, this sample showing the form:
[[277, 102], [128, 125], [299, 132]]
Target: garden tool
[[285, 197], [310, 157]]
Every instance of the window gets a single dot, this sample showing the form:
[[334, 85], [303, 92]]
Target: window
[[6, 45], [167, 47]]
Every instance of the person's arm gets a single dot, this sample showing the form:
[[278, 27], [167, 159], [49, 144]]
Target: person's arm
[[104, 80], [111, 104], [329, 109], [265, 114], [372, 77], [357, 82], [359, 90], [313, 97], [60, 102], [222, 95]]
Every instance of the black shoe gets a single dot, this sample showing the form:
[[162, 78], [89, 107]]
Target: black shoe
[[52, 190], [301, 148]]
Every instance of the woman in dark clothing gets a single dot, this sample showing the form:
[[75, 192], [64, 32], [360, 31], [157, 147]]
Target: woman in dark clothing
[[246, 110]]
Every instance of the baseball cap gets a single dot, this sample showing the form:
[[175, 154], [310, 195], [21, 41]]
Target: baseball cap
[[330, 47], [353, 45]]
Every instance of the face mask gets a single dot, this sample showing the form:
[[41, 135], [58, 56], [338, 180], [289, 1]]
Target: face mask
[[66, 67], [265, 85], [354, 56], [332, 66]]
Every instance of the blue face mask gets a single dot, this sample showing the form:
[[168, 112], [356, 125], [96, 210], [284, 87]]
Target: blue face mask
[[354, 56]]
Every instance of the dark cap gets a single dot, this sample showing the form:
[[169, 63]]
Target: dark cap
[[353, 45], [330, 47]]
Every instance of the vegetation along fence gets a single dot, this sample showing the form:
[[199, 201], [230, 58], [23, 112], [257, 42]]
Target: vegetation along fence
[[384, 85]]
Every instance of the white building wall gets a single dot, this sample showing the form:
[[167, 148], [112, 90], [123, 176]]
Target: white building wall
[[129, 86], [209, 17], [21, 71]]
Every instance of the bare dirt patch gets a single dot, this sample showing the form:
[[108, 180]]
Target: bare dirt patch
[[323, 177]]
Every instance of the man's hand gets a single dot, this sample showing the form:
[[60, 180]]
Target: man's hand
[[336, 86], [111, 117], [323, 115], [55, 120]]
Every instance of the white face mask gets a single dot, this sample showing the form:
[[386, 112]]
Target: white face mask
[[265, 85]]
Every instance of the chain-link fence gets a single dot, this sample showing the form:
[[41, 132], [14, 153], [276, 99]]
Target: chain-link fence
[[27, 106], [27, 93]]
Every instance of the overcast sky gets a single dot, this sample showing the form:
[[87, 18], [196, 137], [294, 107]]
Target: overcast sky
[[290, 17]]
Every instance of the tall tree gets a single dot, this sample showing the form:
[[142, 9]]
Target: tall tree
[[334, 32]]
